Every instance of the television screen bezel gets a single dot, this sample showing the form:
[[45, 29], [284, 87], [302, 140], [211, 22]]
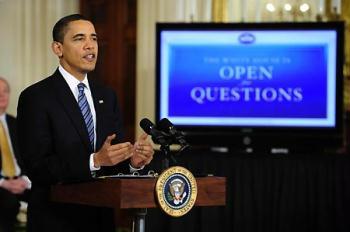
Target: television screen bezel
[[242, 137]]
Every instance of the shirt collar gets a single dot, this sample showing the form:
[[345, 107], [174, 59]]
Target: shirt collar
[[71, 80], [3, 117]]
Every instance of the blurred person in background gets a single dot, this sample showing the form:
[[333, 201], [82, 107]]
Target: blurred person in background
[[13, 184]]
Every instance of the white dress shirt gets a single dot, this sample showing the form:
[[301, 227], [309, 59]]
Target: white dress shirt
[[73, 85]]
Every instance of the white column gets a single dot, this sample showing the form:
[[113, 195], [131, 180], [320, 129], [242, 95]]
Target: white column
[[244, 10], [145, 61], [207, 8], [193, 10], [180, 10], [320, 7], [258, 10], [336, 4]]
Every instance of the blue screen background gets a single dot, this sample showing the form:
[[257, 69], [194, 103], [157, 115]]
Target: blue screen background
[[296, 66]]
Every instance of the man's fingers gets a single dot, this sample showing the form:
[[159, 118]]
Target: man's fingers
[[143, 136], [121, 156], [109, 139], [143, 147], [120, 146], [121, 150]]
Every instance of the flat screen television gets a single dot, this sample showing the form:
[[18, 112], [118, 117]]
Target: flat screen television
[[274, 86]]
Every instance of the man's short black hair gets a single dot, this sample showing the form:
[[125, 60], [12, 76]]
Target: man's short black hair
[[59, 30]]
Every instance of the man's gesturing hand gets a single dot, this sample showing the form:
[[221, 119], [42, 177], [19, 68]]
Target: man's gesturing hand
[[143, 152], [110, 155]]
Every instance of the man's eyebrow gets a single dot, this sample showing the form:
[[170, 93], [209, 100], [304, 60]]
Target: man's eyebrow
[[83, 35], [78, 35]]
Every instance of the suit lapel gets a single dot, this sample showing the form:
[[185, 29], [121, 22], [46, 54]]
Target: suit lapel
[[70, 105]]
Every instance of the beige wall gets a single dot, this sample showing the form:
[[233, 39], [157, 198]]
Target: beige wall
[[25, 27]]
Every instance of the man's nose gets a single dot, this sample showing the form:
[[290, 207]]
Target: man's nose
[[90, 44]]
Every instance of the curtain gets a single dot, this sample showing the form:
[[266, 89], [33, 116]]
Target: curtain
[[26, 55]]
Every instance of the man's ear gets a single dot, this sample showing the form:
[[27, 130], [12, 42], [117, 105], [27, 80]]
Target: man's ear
[[57, 48]]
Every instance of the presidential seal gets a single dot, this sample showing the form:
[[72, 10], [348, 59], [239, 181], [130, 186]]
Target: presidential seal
[[176, 191]]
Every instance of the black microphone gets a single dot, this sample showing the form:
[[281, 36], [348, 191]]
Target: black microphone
[[158, 137], [166, 126]]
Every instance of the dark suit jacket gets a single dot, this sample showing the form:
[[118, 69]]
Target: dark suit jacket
[[9, 202], [54, 143], [12, 126]]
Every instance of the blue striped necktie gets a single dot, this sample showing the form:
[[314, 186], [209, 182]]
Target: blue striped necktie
[[86, 112]]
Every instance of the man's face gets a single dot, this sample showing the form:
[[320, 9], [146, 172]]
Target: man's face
[[79, 49], [4, 95]]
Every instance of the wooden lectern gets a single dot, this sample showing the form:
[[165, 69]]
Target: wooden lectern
[[133, 193]]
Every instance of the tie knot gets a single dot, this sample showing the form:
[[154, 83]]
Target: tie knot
[[81, 87]]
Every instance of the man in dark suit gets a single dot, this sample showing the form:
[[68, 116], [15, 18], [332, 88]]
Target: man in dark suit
[[13, 184], [70, 130]]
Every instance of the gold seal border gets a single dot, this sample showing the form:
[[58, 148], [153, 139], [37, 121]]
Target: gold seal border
[[163, 177]]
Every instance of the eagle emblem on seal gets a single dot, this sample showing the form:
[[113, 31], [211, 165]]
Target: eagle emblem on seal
[[176, 188]]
